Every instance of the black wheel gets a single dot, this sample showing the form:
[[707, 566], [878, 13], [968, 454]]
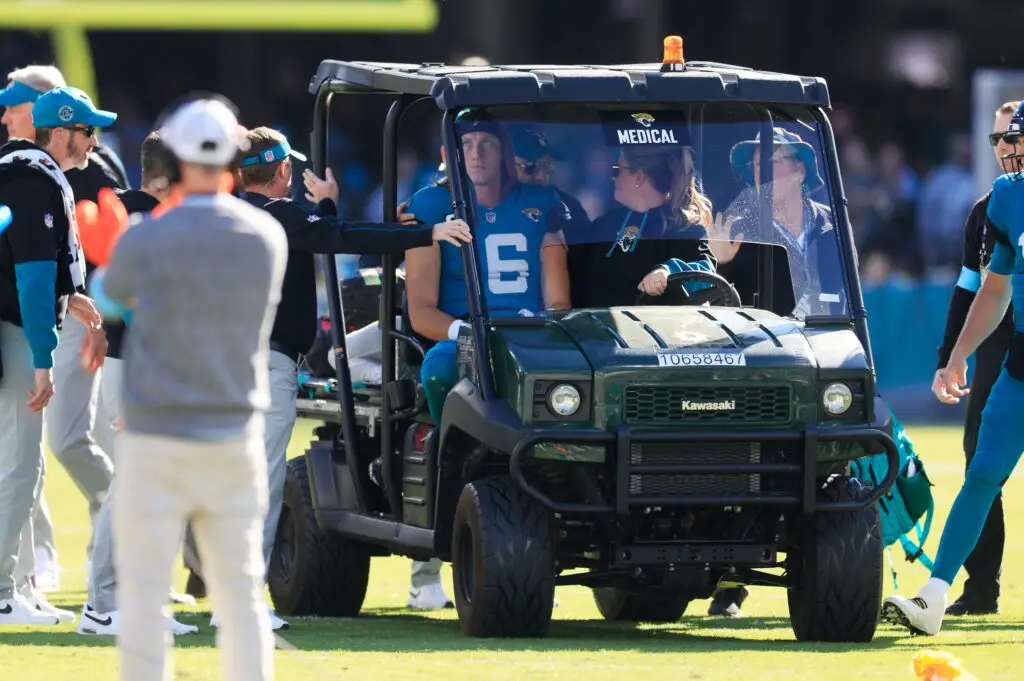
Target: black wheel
[[313, 573], [652, 605], [503, 562], [836, 592]]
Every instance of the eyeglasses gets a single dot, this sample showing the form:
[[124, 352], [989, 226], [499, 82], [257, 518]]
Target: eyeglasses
[[617, 168], [1008, 137], [87, 130]]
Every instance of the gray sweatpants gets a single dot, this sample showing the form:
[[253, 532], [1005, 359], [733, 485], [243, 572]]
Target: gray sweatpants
[[102, 579], [279, 421], [78, 431], [21, 456]]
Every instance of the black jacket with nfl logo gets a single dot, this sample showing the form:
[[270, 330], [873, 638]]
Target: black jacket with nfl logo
[[605, 270], [38, 233]]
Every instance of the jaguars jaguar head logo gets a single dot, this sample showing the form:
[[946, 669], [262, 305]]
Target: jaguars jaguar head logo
[[644, 119], [532, 214]]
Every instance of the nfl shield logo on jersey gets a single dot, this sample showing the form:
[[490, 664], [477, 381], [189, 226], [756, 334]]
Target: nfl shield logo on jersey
[[48, 220]]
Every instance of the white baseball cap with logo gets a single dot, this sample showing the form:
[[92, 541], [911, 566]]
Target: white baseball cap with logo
[[204, 132]]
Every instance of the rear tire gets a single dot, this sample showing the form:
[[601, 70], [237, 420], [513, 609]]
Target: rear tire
[[837, 591], [503, 562], [651, 605], [312, 572]]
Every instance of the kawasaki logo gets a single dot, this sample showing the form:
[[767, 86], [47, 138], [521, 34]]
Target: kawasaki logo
[[726, 405]]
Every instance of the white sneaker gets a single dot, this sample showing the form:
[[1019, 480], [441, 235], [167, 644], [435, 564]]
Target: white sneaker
[[99, 624], [921, 615], [429, 597], [109, 624], [181, 599], [34, 598], [276, 623], [17, 611], [47, 576]]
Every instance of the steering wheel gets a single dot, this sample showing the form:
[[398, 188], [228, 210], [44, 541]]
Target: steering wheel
[[721, 292]]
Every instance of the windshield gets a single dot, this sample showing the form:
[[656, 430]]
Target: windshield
[[682, 193]]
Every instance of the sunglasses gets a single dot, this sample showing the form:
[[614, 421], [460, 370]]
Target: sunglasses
[[544, 166], [87, 130], [616, 169], [1008, 137]]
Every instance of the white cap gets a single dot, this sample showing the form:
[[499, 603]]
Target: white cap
[[204, 132]]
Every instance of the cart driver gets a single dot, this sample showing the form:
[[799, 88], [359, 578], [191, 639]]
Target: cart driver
[[523, 255]]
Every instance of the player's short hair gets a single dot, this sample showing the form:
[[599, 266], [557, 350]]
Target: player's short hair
[[261, 139], [39, 77], [152, 159], [1007, 108]]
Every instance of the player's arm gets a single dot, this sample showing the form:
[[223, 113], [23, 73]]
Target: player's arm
[[989, 306], [554, 260], [967, 284], [318, 233], [34, 252], [422, 289], [993, 298]]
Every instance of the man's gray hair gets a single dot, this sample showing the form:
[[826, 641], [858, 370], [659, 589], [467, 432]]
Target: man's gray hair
[[39, 77]]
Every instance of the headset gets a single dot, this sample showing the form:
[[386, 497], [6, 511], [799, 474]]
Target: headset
[[164, 159]]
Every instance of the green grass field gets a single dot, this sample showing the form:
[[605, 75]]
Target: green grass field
[[391, 642]]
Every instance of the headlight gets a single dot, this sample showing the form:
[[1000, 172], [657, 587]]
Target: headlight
[[837, 398], [564, 399]]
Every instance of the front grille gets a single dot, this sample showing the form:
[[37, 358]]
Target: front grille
[[673, 485], [756, 405]]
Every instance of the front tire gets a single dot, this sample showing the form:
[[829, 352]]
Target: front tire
[[312, 572], [837, 591], [503, 562]]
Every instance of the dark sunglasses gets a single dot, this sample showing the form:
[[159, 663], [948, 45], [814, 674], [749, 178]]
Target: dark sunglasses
[[1008, 137], [87, 130], [545, 166], [616, 169]]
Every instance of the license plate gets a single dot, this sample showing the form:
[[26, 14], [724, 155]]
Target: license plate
[[702, 359]]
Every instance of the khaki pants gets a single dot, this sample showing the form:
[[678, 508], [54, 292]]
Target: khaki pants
[[221, 488]]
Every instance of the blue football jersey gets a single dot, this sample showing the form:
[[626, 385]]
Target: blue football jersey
[[1006, 216], [508, 239]]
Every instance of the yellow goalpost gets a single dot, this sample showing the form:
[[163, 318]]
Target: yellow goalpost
[[68, 21]]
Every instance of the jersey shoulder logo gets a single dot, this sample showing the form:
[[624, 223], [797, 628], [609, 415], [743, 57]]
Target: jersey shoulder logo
[[532, 214], [48, 220], [313, 218]]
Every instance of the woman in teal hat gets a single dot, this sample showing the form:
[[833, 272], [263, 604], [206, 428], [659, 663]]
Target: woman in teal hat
[[798, 222]]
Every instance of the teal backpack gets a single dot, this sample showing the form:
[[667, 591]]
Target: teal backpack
[[908, 506]]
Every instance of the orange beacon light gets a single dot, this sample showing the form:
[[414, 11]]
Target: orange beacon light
[[673, 50]]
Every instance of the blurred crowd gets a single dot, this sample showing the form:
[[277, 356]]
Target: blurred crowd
[[908, 215]]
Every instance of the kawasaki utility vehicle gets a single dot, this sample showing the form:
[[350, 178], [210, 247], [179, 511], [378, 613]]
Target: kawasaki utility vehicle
[[654, 451]]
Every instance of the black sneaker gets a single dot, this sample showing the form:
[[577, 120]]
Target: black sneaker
[[964, 606], [727, 602]]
